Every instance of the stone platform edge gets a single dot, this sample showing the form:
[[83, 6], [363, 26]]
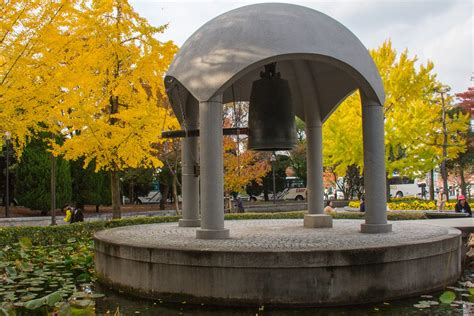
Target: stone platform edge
[[282, 258]]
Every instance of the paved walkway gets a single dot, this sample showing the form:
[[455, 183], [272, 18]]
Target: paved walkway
[[466, 225], [46, 220]]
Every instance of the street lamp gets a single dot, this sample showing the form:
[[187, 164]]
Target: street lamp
[[7, 181], [444, 174], [273, 159]]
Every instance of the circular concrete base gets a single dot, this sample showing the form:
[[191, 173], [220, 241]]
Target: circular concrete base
[[279, 262]]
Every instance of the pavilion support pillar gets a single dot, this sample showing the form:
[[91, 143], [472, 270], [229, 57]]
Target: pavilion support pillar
[[315, 187], [374, 168], [190, 176], [212, 171]]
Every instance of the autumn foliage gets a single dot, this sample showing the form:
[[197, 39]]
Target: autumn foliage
[[241, 166], [413, 127], [91, 71]]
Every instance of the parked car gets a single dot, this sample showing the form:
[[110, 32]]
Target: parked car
[[152, 197]]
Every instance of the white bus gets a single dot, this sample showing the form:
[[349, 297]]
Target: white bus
[[295, 189], [406, 187]]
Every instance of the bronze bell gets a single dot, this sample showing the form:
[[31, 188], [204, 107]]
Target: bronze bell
[[271, 115]]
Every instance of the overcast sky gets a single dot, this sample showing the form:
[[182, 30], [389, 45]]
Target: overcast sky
[[436, 30]]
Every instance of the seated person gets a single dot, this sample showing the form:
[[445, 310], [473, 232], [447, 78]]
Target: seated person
[[77, 216], [362, 204], [329, 207], [462, 206]]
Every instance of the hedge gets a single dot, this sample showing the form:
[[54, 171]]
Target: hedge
[[49, 235]]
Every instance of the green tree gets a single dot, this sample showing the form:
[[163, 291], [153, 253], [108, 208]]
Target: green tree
[[137, 182], [88, 186], [33, 185]]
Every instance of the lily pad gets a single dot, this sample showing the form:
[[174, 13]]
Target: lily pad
[[96, 295], [25, 243], [82, 303], [11, 271], [50, 300], [447, 297], [28, 297]]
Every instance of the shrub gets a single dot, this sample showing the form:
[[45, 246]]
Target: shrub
[[410, 204], [49, 235]]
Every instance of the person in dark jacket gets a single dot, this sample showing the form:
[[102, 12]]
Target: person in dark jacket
[[77, 216], [462, 206], [362, 204]]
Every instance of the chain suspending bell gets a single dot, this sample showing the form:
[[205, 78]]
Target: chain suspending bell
[[271, 115]]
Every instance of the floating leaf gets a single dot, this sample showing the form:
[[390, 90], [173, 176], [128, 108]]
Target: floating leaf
[[83, 303], [28, 297], [83, 277], [96, 295], [53, 298], [25, 243], [36, 303], [26, 266], [79, 295], [447, 297], [11, 271], [50, 300]]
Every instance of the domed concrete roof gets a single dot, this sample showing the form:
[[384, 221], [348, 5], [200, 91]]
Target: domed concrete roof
[[323, 61]]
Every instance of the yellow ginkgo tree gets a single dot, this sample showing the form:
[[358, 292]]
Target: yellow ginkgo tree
[[91, 71], [111, 108], [412, 119], [28, 36]]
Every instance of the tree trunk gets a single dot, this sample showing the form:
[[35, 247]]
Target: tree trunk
[[53, 190], [444, 172], [432, 191], [265, 191], [335, 183], [230, 205], [444, 175], [97, 208], [115, 190], [387, 187], [463, 180], [175, 195], [131, 192], [164, 196]]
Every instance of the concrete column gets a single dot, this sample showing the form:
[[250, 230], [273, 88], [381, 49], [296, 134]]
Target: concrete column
[[315, 187], [212, 171], [190, 180], [374, 168]]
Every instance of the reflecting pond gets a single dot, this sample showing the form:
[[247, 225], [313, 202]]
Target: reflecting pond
[[428, 304]]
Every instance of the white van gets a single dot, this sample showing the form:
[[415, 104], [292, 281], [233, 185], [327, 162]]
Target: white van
[[152, 197]]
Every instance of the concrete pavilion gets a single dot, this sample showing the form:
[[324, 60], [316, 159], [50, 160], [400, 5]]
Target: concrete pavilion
[[277, 262], [324, 63]]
